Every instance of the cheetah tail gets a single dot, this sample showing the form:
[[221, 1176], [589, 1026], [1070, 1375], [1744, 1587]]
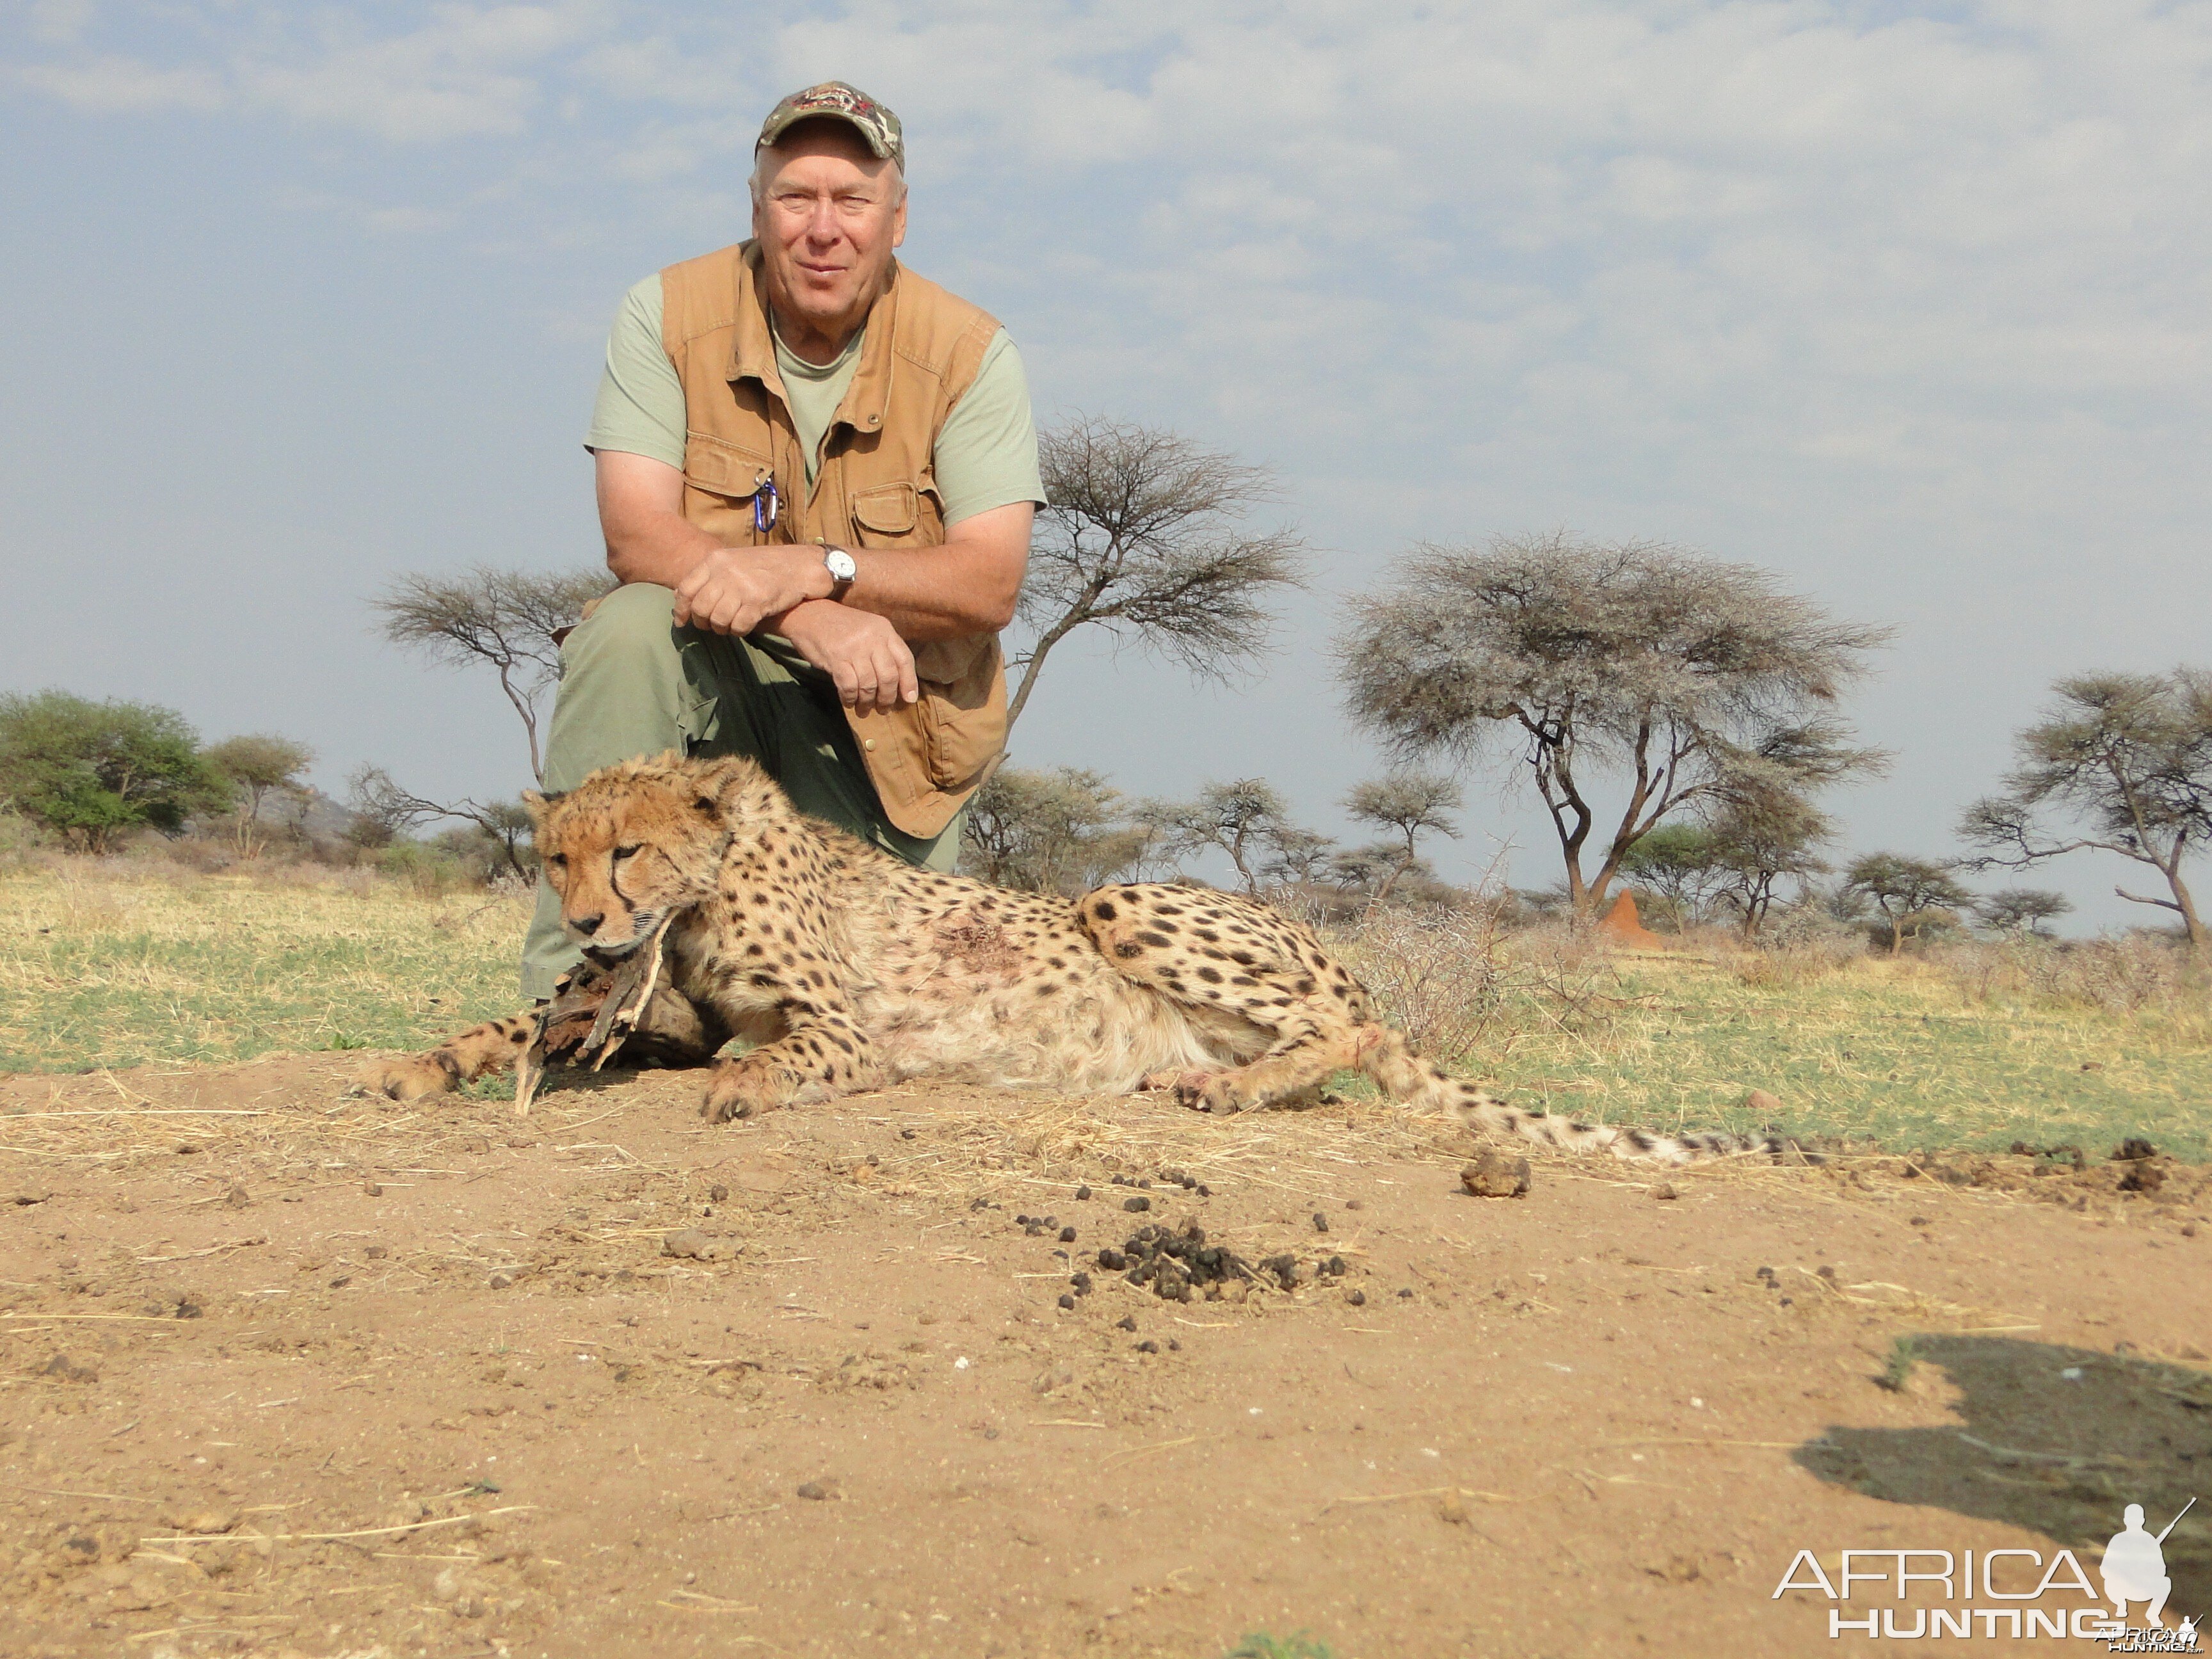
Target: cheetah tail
[[1405, 1075]]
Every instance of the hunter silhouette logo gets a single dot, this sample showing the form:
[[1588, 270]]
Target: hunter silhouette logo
[[2005, 1595], [2135, 1567]]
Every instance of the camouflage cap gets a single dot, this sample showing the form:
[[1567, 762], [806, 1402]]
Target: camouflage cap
[[837, 102]]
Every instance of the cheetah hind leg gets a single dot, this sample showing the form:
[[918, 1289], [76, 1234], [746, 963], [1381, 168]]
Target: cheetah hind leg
[[1290, 1074]]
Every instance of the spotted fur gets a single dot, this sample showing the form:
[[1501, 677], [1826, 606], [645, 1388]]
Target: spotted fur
[[848, 969]]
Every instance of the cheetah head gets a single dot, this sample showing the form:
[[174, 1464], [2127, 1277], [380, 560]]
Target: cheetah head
[[637, 841]]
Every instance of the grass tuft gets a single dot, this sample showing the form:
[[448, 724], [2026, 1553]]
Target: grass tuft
[[1261, 1645], [1897, 1371]]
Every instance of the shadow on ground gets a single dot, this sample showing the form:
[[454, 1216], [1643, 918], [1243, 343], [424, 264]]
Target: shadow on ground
[[2056, 1440]]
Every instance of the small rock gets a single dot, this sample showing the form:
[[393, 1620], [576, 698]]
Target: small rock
[[1759, 1101], [373, 1189], [1665, 1191], [1353, 1204], [1356, 1298], [2092, 1064], [207, 1523], [1205, 1191], [1452, 1507], [1319, 1222], [1407, 1294], [689, 1243], [377, 1252], [501, 1281], [1066, 1300], [2189, 1229], [813, 1490], [1083, 1192], [1126, 1323], [341, 1281], [1493, 1174], [717, 1193], [1148, 1346], [1112, 1260], [1067, 1235], [1136, 1206], [237, 1198]]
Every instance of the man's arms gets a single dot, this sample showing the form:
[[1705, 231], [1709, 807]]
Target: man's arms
[[968, 586]]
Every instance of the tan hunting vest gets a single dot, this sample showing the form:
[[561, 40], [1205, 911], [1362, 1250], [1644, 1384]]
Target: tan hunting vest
[[874, 489]]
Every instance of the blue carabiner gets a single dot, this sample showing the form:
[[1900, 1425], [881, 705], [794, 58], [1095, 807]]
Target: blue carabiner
[[767, 507]]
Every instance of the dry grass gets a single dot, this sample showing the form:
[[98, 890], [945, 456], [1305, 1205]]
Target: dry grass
[[112, 963], [1976, 1047]]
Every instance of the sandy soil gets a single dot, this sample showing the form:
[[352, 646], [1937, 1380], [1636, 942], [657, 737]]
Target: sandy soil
[[285, 1371]]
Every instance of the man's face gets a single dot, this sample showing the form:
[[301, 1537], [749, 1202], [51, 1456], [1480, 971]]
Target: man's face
[[828, 216]]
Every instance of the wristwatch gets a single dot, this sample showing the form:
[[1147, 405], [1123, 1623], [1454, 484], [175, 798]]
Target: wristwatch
[[843, 571]]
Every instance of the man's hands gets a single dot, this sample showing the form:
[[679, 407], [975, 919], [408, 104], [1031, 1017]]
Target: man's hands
[[873, 667], [968, 585], [733, 590]]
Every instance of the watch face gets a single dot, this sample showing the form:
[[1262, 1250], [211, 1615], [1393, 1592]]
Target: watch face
[[841, 564]]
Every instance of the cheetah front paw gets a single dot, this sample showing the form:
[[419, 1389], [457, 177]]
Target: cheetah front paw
[[739, 1091], [415, 1076], [1209, 1091]]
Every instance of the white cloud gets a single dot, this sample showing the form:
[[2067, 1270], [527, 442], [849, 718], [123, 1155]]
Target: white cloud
[[122, 86], [469, 71]]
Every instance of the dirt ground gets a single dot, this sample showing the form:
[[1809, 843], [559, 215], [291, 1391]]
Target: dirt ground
[[285, 1371]]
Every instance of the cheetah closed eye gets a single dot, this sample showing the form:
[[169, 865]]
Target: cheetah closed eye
[[849, 970]]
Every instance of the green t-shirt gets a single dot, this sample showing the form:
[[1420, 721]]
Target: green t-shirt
[[986, 455]]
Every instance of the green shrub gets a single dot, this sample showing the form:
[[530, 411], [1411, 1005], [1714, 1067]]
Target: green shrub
[[93, 772]]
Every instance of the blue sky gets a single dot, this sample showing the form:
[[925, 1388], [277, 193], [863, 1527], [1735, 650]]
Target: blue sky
[[1908, 306]]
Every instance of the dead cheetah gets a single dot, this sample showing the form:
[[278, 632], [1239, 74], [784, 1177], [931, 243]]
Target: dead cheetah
[[848, 969]]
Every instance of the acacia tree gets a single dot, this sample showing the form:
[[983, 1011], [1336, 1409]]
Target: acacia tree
[[1760, 840], [1247, 819], [1409, 804], [1701, 681], [1298, 857], [1142, 535], [2128, 757], [2017, 911], [258, 766], [1679, 864], [1909, 892], [384, 809], [1056, 831], [512, 620]]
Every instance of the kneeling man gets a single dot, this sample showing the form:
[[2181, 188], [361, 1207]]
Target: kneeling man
[[817, 475]]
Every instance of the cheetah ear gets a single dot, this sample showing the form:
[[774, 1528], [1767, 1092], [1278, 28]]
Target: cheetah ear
[[538, 805], [715, 783]]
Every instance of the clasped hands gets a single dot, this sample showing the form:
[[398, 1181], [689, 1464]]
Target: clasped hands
[[735, 590]]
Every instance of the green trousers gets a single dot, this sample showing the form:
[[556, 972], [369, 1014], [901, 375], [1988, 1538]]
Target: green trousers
[[633, 683]]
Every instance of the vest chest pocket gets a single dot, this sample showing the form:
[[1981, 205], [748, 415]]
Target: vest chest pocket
[[721, 481], [888, 515]]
